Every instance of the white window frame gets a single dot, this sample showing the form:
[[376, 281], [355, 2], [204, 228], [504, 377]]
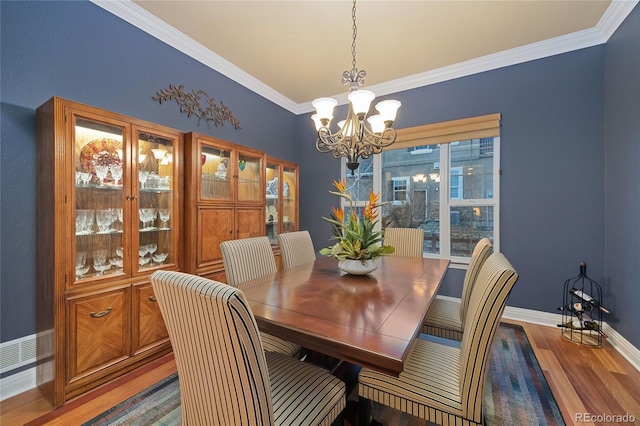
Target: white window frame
[[446, 203]]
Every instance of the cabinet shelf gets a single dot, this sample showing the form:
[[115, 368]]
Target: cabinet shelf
[[155, 190], [99, 187], [154, 229]]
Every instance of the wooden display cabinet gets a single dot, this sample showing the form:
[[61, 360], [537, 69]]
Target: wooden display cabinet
[[224, 200], [281, 198], [108, 215]]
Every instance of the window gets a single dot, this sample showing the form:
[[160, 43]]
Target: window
[[456, 182], [400, 189], [451, 189]]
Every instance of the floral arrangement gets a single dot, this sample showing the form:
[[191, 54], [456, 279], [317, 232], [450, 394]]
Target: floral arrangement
[[356, 237]]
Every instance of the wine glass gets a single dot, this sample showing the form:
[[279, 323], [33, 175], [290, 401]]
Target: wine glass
[[143, 217], [144, 260], [148, 215], [160, 258], [101, 172], [85, 178], [101, 267], [119, 252], [164, 217], [78, 172], [153, 215], [143, 250], [80, 271], [152, 248], [117, 262], [86, 224], [100, 261], [117, 216], [81, 258], [103, 219], [116, 172], [80, 222], [143, 176]]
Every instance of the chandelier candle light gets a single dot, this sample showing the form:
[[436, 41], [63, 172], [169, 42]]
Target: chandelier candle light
[[355, 138]]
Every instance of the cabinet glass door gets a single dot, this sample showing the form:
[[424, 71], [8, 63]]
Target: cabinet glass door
[[156, 210], [99, 195], [289, 201], [215, 181], [272, 202], [248, 173]]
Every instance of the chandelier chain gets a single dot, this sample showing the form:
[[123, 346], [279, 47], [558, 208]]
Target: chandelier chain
[[355, 33]]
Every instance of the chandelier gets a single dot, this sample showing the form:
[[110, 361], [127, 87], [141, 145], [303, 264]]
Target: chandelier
[[355, 137]]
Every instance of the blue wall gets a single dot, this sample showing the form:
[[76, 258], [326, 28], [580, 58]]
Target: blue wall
[[553, 145], [622, 153]]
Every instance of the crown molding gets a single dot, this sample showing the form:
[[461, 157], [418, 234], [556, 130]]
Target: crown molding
[[615, 14], [613, 17]]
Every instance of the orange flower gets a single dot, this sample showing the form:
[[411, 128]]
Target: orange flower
[[340, 186], [373, 197], [338, 213], [370, 211]]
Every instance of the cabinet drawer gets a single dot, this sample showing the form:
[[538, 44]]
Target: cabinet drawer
[[148, 326], [98, 332]]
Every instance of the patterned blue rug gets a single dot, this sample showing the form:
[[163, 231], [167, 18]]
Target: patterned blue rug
[[516, 392]]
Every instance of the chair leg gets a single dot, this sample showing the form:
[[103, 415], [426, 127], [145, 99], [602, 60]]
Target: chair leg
[[364, 407]]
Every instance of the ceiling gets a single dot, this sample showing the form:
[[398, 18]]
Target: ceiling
[[294, 51]]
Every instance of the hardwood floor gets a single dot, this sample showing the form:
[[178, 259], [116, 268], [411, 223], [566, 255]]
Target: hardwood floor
[[584, 381]]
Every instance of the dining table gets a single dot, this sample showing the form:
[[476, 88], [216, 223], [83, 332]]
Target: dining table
[[369, 320]]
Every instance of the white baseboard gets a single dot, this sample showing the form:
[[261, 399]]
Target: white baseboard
[[17, 383], [26, 380]]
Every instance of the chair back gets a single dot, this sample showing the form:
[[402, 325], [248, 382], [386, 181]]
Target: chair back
[[218, 352], [488, 299], [406, 241], [296, 248], [481, 252], [247, 259]]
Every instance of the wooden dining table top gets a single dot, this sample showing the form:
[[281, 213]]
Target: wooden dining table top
[[369, 320]]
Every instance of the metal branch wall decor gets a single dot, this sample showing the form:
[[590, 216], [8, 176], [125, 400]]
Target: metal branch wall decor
[[190, 104]]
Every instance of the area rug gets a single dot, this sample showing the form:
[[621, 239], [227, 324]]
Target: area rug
[[516, 392]]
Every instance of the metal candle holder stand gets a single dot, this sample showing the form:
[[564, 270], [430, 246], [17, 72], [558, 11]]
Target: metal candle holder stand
[[581, 310]]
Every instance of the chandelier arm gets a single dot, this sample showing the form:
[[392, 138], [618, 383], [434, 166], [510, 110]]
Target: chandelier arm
[[383, 140], [328, 142]]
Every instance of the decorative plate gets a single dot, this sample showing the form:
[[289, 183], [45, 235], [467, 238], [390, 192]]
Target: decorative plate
[[100, 151]]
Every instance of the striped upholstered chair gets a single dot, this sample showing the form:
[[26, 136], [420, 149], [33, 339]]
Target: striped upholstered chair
[[441, 383], [445, 318], [244, 260], [296, 248], [406, 241], [226, 378]]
